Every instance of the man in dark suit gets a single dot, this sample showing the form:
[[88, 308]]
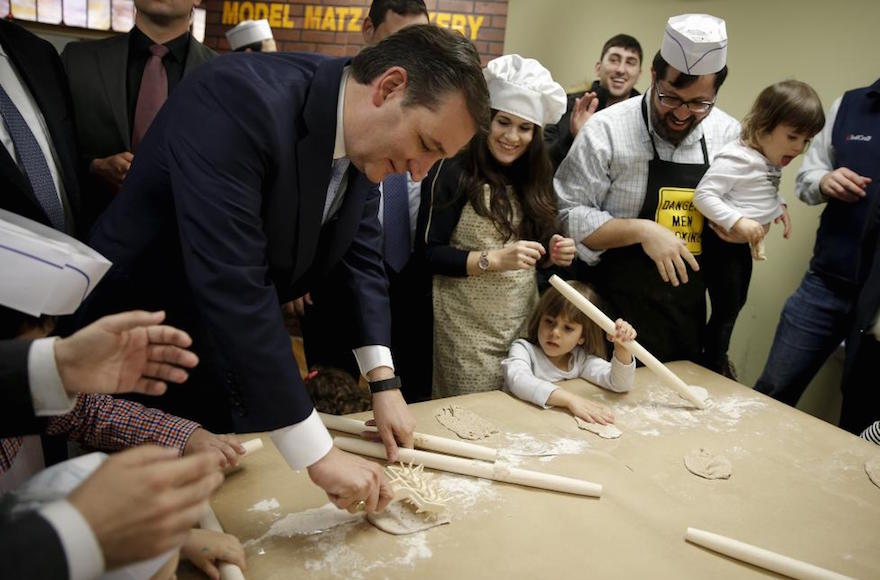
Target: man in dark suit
[[37, 97], [118, 84], [617, 71], [252, 184], [409, 283]]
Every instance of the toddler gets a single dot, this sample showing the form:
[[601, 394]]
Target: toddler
[[563, 343], [740, 194]]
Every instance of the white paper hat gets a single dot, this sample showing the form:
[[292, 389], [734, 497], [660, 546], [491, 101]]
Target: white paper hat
[[695, 44], [44, 270], [523, 87], [248, 32]]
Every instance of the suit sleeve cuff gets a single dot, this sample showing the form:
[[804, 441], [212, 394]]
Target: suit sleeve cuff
[[373, 356], [84, 557], [47, 391], [304, 443]]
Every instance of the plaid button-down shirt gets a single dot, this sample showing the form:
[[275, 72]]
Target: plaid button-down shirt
[[108, 424]]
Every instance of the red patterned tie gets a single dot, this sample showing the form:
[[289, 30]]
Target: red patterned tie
[[152, 94]]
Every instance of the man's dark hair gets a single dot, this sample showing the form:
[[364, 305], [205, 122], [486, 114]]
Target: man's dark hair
[[624, 41], [437, 61], [660, 66], [379, 9]]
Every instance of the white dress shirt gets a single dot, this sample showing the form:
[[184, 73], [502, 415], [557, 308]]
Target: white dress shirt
[[306, 442], [605, 173], [741, 182], [818, 161]]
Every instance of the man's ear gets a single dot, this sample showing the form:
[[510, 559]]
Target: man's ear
[[598, 66], [368, 30], [390, 85]]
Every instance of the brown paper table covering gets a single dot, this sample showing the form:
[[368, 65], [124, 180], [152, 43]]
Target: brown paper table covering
[[798, 488]]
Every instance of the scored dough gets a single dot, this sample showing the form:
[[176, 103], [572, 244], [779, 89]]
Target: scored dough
[[400, 518], [466, 424], [706, 464], [872, 468], [603, 431]]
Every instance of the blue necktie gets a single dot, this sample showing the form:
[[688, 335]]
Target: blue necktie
[[395, 221], [32, 161]]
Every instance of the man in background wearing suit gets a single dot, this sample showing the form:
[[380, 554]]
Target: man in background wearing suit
[[119, 83], [252, 185], [409, 286], [38, 158]]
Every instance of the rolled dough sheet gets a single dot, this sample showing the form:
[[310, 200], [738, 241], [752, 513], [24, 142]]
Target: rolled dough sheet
[[706, 464], [872, 468], [603, 431], [400, 519], [466, 424]]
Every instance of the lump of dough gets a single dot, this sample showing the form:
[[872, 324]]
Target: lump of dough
[[706, 464], [603, 431], [399, 518]]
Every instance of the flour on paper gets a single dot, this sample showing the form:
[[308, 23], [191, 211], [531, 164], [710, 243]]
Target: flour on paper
[[706, 464], [546, 447], [466, 424], [872, 468], [603, 431], [265, 505], [309, 522]]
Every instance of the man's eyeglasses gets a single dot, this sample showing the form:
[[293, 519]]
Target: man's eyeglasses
[[674, 102]]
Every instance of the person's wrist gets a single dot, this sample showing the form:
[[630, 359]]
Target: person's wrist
[[65, 361], [382, 385]]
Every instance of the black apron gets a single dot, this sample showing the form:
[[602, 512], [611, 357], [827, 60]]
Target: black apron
[[669, 321]]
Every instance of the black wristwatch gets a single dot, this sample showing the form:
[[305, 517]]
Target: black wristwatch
[[384, 385]]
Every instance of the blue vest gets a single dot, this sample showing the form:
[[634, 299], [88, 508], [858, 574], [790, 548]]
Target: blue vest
[[856, 142]]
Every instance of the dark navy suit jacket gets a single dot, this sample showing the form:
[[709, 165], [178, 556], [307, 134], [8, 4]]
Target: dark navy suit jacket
[[219, 221]]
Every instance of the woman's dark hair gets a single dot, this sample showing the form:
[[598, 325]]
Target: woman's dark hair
[[531, 179]]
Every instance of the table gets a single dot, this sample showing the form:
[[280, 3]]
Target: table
[[798, 487]]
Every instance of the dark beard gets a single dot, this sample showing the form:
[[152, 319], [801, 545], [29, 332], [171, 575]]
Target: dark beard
[[662, 129]]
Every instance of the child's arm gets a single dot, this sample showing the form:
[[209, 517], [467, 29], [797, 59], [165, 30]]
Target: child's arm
[[618, 374], [581, 407], [207, 548], [718, 181], [521, 381], [519, 378], [108, 424]]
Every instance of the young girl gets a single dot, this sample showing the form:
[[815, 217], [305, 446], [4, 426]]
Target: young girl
[[492, 219], [740, 195], [564, 344]]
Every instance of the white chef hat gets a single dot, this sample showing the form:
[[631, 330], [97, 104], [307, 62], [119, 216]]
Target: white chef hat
[[248, 32], [695, 44], [523, 87], [44, 270]]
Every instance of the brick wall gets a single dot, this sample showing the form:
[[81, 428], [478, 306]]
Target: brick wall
[[334, 26]]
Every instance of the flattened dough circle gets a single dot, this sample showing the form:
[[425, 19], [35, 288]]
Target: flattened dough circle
[[706, 464]]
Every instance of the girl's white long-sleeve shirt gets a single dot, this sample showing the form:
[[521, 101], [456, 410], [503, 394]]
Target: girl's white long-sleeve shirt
[[529, 374], [739, 183]]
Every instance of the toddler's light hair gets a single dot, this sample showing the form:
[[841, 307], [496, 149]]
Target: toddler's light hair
[[792, 103]]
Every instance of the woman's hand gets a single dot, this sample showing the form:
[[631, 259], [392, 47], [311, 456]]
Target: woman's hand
[[520, 255], [562, 250]]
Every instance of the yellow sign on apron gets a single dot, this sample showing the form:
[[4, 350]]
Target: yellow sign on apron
[[676, 211]]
